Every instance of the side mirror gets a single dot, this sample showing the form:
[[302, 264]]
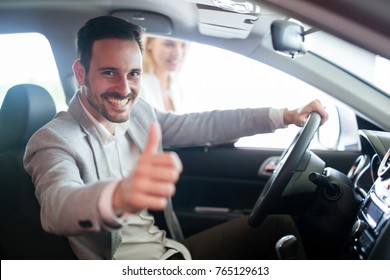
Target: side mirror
[[329, 133], [341, 131], [288, 38]]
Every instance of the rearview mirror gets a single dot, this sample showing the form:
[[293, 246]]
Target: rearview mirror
[[288, 38]]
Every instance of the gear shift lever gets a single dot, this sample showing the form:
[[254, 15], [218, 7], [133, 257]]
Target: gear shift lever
[[287, 247]]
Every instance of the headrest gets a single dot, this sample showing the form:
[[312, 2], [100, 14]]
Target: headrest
[[26, 108]]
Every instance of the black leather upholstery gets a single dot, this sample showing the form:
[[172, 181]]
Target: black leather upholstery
[[25, 109]]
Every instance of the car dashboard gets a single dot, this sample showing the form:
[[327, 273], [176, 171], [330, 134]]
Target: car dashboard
[[370, 175], [372, 226]]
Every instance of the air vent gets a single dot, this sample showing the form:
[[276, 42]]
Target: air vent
[[384, 168]]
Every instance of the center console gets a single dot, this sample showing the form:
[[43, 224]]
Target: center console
[[371, 230]]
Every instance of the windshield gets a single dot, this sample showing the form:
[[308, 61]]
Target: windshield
[[367, 66]]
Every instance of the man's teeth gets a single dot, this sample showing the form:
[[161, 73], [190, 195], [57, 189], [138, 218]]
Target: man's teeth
[[116, 101]]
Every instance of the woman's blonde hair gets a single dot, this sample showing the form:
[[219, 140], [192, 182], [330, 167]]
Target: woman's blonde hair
[[147, 60]]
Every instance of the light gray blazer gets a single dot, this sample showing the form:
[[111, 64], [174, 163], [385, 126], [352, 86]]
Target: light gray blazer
[[69, 168]]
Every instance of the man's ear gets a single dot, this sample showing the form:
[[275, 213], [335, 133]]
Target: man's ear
[[79, 72]]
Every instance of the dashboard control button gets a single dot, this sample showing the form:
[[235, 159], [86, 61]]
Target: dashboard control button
[[358, 228]]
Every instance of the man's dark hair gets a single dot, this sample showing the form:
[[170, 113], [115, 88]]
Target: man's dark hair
[[105, 27]]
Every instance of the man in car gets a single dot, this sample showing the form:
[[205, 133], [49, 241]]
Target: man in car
[[99, 166]]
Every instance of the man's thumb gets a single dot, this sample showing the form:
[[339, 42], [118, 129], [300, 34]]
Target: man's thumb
[[154, 138]]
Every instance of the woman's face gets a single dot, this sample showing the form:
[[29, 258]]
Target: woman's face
[[167, 55]]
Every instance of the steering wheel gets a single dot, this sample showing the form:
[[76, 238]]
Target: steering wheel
[[284, 170]]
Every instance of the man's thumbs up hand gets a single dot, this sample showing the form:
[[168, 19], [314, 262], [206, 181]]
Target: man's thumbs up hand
[[154, 138], [152, 181]]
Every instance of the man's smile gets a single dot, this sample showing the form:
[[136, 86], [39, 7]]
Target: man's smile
[[117, 100]]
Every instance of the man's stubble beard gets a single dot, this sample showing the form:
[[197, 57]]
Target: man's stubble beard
[[101, 109]]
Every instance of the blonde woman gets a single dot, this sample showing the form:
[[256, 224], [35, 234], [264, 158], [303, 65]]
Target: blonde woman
[[162, 60]]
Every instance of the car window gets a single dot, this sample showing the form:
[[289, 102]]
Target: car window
[[28, 58], [213, 78]]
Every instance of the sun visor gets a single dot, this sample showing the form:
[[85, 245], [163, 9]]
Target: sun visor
[[153, 23], [225, 24]]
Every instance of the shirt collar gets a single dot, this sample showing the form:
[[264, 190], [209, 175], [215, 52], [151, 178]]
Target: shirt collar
[[105, 135]]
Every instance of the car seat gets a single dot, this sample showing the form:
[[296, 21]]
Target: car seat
[[26, 108]]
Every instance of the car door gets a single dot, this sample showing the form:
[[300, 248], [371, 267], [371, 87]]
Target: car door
[[223, 182]]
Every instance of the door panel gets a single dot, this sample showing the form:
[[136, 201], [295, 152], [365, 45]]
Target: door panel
[[222, 182]]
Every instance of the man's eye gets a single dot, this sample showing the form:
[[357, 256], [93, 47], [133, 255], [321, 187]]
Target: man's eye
[[134, 74], [108, 73]]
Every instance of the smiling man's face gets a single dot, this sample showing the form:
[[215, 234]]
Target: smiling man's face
[[114, 79]]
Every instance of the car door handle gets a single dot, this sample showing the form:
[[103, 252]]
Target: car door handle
[[268, 166], [213, 210]]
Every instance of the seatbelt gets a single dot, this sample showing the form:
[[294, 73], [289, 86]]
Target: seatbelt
[[173, 222]]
